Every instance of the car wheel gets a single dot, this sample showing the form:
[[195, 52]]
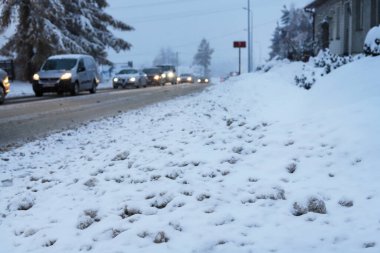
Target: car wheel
[[93, 89], [2, 95], [115, 87], [38, 93], [75, 89], [59, 93]]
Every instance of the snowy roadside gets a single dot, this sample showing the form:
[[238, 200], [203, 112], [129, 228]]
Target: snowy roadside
[[22, 89], [251, 165]]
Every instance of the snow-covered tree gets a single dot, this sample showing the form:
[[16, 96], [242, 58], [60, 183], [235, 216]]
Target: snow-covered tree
[[46, 27], [203, 57], [166, 56], [293, 38]]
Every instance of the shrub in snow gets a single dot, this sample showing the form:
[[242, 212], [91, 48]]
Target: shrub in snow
[[87, 219], [49, 243], [346, 202], [323, 64], [121, 157], [329, 61], [22, 204], [161, 237], [291, 168], [276, 194], [128, 212], [91, 182], [298, 209], [367, 245], [314, 205], [372, 42]]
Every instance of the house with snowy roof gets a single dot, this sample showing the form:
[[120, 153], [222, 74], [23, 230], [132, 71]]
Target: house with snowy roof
[[342, 25]]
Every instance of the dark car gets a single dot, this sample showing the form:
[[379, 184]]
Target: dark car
[[130, 78], [203, 80], [67, 73], [168, 74], [4, 85], [185, 78], [153, 75]]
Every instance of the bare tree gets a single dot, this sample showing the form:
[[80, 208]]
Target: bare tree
[[203, 57]]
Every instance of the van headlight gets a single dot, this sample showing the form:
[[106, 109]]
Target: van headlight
[[206, 80], [36, 77], [170, 74], [163, 76], [66, 76], [156, 77], [132, 79], [189, 79]]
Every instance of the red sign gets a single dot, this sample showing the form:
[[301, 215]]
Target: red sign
[[240, 44]]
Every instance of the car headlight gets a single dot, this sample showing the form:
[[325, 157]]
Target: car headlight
[[6, 84], [66, 76], [189, 79], [156, 77], [206, 80], [36, 77], [163, 76], [178, 79], [199, 80], [170, 74], [132, 79], [116, 79]]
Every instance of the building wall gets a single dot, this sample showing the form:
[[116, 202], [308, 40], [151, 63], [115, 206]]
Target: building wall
[[347, 34], [359, 33]]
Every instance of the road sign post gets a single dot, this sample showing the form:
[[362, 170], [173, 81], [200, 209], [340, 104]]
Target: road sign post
[[240, 45]]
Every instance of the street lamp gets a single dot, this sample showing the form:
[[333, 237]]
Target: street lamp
[[249, 12]]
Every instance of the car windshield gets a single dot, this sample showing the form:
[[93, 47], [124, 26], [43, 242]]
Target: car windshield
[[151, 71], [128, 71], [185, 75], [59, 64], [167, 68]]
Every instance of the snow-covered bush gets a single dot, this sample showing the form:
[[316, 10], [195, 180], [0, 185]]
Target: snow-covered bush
[[324, 63], [372, 42], [305, 81], [313, 205], [329, 61]]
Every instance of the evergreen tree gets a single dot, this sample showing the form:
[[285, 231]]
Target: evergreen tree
[[47, 27], [293, 39], [166, 56], [203, 57]]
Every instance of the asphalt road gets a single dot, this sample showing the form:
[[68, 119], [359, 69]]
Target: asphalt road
[[29, 118]]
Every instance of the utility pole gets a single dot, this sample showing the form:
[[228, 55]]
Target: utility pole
[[249, 31]]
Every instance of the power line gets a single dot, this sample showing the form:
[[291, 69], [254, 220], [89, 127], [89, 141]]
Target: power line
[[161, 3], [168, 17]]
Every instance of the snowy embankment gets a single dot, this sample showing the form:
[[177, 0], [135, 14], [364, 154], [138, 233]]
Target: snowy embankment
[[21, 89], [252, 165]]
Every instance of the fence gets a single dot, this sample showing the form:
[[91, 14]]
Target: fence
[[8, 66]]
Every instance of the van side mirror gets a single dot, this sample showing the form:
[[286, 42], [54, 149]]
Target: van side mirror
[[81, 69]]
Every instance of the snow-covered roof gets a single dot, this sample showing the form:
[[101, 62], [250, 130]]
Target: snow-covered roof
[[315, 3], [68, 56]]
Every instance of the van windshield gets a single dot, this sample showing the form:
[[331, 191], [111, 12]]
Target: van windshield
[[59, 64]]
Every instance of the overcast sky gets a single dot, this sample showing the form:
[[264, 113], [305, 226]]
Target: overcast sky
[[181, 24]]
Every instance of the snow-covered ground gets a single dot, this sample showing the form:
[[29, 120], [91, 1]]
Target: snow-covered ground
[[20, 89], [255, 164]]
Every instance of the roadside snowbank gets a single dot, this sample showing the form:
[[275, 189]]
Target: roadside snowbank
[[24, 89], [251, 165]]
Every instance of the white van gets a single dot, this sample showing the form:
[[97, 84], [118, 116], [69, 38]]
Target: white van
[[67, 73]]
